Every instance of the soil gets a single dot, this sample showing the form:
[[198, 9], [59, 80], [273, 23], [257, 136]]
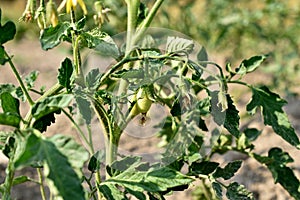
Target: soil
[[28, 56]]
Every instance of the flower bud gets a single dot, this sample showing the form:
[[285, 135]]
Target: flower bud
[[52, 15]]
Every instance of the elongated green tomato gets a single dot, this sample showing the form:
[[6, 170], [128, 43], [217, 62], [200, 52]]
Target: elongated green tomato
[[143, 102]]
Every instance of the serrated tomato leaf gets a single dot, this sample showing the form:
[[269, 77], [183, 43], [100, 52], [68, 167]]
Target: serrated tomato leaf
[[229, 118], [155, 180], [57, 164], [276, 162], [50, 105], [65, 73], [52, 36], [232, 118], [101, 42], [228, 171], [271, 105], [176, 44], [236, 191]]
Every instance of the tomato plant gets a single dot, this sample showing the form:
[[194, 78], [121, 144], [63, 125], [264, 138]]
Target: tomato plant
[[151, 67]]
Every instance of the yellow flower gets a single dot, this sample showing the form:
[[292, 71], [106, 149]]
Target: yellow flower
[[71, 4]]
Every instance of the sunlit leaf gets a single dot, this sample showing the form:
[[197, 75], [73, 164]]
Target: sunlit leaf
[[51, 105], [176, 44], [52, 36], [31, 78], [9, 104], [236, 191], [101, 42], [250, 64], [271, 105], [63, 180]]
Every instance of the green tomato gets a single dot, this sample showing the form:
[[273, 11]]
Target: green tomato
[[143, 102]]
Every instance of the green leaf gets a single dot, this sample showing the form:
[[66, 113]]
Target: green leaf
[[93, 79], [276, 163], [52, 36], [65, 73], [31, 78], [236, 191], [7, 31], [3, 57], [10, 119], [42, 123], [9, 147], [76, 154], [10, 107], [252, 133], [95, 161], [229, 170], [84, 106], [202, 56], [63, 180], [232, 118], [176, 44], [101, 42], [20, 179], [218, 189], [271, 105], [50, 105], [229, 117], [204, 168], [250, 64], [155, 180], [9, 104], [110, 191]]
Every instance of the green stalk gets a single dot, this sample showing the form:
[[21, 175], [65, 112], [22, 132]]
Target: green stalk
[[132, 14], [41, 182], [76, 53], [147, 21], [17, 75], [10, 172]]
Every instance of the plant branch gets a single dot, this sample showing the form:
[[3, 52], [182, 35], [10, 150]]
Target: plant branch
[[17, 75], [147, 21]]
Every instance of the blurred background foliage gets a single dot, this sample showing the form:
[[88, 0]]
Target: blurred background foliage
[[230, 29]]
